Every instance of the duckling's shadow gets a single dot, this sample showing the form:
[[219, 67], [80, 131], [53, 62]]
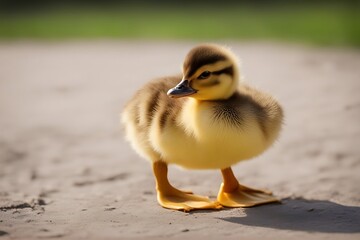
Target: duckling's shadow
[[303, 215]]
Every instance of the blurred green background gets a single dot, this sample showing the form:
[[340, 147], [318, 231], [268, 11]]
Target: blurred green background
[[313, 22]]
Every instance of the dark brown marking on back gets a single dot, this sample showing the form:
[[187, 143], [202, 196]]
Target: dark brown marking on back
[[163, 118], [152, 107]]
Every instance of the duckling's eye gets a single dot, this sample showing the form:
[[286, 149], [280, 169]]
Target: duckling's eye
[[204, 75]]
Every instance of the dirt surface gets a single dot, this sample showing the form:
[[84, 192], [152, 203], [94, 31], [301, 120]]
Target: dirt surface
[[67, 173]]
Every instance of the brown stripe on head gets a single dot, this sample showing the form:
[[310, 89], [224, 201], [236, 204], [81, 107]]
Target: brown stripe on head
[[228, 70], [200, 56]]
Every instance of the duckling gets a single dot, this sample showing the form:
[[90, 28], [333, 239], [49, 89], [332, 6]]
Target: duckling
[[205, 118]]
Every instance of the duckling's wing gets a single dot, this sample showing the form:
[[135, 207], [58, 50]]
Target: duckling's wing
[[264, 107], [150, 108]]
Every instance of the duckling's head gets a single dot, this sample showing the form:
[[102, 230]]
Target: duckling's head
[[210, 72]]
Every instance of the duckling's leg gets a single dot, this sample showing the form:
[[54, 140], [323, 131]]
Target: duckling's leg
[[233, 194], [172, 198]]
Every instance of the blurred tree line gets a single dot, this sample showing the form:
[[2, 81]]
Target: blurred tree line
[[326, 22], [21, 5]]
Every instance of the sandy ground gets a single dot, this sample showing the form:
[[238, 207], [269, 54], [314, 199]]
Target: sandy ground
[[67, 173]]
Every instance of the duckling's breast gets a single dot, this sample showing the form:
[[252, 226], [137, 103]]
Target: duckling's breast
[[213, 135], [213, 145]]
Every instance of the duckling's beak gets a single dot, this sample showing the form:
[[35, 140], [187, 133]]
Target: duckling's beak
[[181, 90]]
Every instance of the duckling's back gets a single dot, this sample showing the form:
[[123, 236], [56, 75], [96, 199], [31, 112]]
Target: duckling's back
[[149, 109]]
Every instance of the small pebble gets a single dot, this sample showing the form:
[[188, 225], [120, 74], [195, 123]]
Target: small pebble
[[41, 201], [110, 209]]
